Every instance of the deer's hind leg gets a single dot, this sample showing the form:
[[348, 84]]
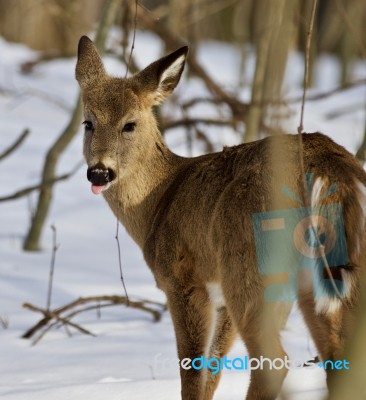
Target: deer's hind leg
[[330, 319], [257, 323], [328, 329], [223, 337]]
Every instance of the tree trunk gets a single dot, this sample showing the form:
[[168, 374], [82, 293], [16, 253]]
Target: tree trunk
[[269, 16], [60, 22], [32, 241]]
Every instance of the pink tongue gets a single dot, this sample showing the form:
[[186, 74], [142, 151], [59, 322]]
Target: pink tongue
[[97, 189]]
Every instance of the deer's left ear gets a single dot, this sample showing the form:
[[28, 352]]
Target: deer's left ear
[[161, 77]]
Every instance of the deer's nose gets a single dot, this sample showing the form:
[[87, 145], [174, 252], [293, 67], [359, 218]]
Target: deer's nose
[[99, 175]]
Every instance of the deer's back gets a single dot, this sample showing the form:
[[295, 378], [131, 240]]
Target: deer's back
[[211, 201]]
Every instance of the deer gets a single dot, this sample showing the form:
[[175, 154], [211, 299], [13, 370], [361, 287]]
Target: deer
[[192, 218]]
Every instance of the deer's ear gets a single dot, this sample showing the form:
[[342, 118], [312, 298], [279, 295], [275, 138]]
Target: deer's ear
[[89, 67], [161, 77]]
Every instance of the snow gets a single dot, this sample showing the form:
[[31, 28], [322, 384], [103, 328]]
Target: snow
[[131, 357]]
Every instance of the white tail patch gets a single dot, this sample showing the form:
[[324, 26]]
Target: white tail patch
[[361, 199], [317, 191], [361, 196], [327, 305], [217, 299], [215, 294]]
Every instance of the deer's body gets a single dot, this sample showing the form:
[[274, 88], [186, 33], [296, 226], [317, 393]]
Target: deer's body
[[193, 220]]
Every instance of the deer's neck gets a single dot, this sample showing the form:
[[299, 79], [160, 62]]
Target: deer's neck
[[134, 198]]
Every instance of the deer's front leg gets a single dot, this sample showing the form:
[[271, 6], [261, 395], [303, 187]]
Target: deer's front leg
[[192, 313]]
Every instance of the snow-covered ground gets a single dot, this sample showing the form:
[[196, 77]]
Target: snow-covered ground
[[131, 357]]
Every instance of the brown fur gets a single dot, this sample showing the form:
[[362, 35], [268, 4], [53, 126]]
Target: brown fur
[[192, 218]]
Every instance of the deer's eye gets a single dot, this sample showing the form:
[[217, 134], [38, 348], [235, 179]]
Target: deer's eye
[[88, 125], [129, 127]]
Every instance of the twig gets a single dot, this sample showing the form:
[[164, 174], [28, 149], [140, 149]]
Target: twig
[[300, 128], [324, 95], [339, 112], [34, 92], [52, 267], [120, 262], [28, 66], [148, 21], [300, 131], [133, 40], [117, 221], [166, 125], [15, 145], [4, 321], [284, 101], [26, 191], [54, 315]]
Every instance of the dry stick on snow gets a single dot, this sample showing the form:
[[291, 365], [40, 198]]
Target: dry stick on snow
[[24, 192], [49, 316], [64, 314], [15, 145]]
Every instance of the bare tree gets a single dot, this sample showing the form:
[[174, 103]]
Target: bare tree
[[32, 241]]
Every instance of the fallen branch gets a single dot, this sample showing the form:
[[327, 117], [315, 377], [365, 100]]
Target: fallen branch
[[63, 315], [50, 315]]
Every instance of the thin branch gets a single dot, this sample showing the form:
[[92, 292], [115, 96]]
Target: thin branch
[[34, 92], [117, 221], [52, 267], [324, 95], [193, 121], [149, 22], [15, 145], [300, 128], [28, 66], [50, 182], [300, 131], [133, 39], [284, 101]]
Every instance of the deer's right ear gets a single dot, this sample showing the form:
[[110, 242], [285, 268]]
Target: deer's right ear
[[89, 67]]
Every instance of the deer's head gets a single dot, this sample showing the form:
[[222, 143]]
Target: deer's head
[[120, 127]]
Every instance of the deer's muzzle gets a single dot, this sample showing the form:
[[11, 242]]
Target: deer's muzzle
[[100, 177]]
